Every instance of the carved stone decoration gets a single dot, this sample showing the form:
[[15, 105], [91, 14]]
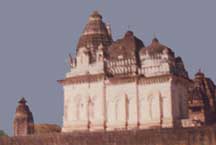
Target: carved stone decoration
[[94, 34], [23, 122], [202, 101]]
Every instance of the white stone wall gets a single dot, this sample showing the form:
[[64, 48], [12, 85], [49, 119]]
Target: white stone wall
[[121, 102], [155, 104], [83, 104]]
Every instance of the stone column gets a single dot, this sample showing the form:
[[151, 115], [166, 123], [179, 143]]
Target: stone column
[[138, 104], [104, 104]]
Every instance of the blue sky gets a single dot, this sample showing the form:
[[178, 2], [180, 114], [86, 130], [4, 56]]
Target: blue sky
[[36, 37]]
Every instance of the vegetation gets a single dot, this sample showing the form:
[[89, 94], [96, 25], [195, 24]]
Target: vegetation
[[2, 133]]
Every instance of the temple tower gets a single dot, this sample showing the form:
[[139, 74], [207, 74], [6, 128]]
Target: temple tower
[[23, 122], [95, 33], [202, 100]]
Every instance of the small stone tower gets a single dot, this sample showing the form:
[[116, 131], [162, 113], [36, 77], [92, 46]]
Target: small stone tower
[[23, 122], [202, 101]]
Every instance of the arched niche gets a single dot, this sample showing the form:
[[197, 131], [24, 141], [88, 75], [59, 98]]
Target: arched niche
[[92, 106], [151, 107], [81, 108], [131, 108]]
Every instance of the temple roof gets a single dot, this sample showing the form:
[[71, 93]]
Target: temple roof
[[22, 108], [94, 33], [179, 59], [199, 75], [203, 88], [156, 47], [126, 47]]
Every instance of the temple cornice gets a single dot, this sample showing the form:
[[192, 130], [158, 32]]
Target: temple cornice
[[81, 79]]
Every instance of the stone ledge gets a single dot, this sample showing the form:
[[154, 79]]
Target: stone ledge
[[180, 136]]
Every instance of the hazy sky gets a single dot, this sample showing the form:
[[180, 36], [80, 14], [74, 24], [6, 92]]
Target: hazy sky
[[37, 35]]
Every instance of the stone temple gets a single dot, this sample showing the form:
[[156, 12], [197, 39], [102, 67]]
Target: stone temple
[[124, 93], [23, 121], [123, 84]]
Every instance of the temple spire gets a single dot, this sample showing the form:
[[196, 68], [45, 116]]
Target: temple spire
[[23, 121], [95, 32], [199, 74], [155, 39], [22, 101]]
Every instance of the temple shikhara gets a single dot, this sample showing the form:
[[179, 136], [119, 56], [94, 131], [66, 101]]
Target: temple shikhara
[[124, 85], [23, 122]]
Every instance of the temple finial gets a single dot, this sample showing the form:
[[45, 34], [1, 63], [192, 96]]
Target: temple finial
[[108, 26], [96, 14], [22, 100], [154, 35], [155, 39], [70, 59], [199, 70], [129, 27]]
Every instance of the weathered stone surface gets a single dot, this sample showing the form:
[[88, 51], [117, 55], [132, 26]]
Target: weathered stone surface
[[96, 32], [202, 100], [189, 136], [23, 121], [127, 47], [46, 128]]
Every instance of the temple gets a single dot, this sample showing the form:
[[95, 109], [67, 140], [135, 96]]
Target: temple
[[123, 84], [24, 124], [202, 101], [23, 121]]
